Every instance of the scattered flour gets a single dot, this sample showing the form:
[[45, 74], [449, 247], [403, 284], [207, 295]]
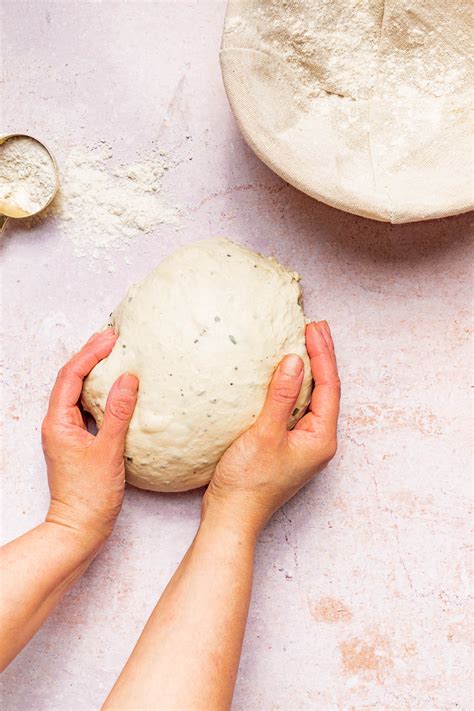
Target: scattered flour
[[27, 176], [103, 205]]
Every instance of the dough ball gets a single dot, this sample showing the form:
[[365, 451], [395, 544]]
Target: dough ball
[[203, 333]]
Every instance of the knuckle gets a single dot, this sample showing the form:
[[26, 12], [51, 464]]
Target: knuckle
[[284, 394], [45, 429], [63, 372], [120, 408], [265, 435], [330, 448]]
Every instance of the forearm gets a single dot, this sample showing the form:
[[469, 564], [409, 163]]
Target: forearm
[[37, 570], [188, 654]]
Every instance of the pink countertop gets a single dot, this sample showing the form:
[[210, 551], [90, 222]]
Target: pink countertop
[[361, 587]]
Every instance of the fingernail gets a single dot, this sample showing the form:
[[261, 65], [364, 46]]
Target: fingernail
[[325, 325], [128, 383], [292, 365]]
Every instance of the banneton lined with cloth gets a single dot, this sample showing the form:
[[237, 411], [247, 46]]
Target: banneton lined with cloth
[[364, 106]]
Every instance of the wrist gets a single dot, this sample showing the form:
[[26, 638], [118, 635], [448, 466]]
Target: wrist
[[82, 533], [79, 549], [230, 518]]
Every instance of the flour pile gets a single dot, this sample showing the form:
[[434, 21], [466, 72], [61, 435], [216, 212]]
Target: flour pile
[[103, 204], [27, 176]]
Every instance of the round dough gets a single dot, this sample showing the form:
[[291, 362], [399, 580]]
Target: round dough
[[204, 333], [365, 105]]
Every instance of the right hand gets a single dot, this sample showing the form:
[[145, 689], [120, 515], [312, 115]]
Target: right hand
[[268, 464], [86, 474]]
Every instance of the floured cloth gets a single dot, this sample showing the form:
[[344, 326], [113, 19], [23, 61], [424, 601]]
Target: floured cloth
[[363, 104]]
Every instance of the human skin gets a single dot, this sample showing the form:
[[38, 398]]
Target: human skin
[[187, 656], [86, 478]]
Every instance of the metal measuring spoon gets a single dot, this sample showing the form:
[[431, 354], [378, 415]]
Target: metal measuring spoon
[[8, 206]]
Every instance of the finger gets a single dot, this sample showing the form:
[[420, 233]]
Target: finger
[[118, 411], [327, 389], [67, 389], [326, 334], [282, 394]]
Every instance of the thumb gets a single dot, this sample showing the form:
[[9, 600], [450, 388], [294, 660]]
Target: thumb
[[119, 410], [282, 394]]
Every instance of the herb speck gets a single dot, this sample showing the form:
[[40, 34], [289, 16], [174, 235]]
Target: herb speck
[[217, 319], [232, 340]]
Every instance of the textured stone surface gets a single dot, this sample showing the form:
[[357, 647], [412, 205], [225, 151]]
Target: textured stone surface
[[361, 588]]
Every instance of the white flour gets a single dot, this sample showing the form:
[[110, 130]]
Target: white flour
[[27, 175], [103, 205], [347, 48]]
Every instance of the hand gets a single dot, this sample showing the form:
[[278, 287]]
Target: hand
[[86, 473], [268, 464]]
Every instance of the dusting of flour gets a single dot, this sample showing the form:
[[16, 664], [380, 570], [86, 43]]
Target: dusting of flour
[[104, 204]]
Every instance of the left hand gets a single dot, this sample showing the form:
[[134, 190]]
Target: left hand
[[86, 473]]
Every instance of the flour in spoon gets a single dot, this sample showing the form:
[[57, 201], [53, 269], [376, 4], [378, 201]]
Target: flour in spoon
[[27, 176]]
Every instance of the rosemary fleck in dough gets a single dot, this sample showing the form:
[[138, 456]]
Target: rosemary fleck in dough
[[204, 333]]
